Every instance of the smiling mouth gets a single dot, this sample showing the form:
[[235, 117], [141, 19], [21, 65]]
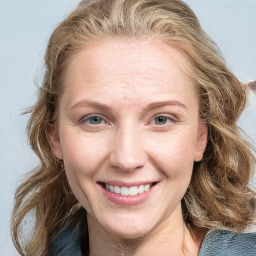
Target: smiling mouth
[[128, 191]]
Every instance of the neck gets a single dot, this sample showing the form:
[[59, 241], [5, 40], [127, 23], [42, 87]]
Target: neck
[[168, 238]]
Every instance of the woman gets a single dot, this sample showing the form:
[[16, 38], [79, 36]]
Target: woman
[[136, 130]]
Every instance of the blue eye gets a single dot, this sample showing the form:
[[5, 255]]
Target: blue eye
[[161, 120], [94, 120]]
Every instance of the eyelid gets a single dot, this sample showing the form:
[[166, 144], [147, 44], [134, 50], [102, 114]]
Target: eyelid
[[83, 119], [171, 118]]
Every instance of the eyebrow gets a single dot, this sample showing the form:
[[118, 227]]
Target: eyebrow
[[151, 106], [91, 103], [160, 104]]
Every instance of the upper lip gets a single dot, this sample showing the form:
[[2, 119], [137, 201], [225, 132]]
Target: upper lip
[[126, 184]]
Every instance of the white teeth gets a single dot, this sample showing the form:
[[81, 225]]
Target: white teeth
[[133, 191], [147, 187], [128, 191], [124, 191], [141, 189], [117, 190]]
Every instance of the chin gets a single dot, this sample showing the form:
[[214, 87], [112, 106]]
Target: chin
[[128, 229], [128, 234]]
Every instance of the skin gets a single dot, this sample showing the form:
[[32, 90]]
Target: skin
[[129, 144]]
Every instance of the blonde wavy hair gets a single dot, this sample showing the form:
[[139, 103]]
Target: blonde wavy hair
[[218, 195]]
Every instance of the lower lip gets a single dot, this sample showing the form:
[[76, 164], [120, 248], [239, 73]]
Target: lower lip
[[127, 200]]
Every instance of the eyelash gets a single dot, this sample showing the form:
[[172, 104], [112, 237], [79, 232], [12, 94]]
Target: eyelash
[[166, 117], [169, 120], [85, 119]]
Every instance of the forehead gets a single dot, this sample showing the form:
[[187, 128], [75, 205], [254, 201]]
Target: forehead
[[138, 65]]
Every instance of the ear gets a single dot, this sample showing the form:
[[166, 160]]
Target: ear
[[201, 141], [52, 135]]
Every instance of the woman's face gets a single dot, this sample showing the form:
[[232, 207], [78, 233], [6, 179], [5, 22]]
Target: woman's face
[[129, 132]]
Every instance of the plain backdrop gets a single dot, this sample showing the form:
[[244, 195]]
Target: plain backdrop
[[25, 27]]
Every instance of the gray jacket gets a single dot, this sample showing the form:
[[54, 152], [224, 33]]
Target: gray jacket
[[215, 243], [225, 243]]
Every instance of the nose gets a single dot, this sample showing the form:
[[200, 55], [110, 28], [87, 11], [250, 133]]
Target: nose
[[127, 153]]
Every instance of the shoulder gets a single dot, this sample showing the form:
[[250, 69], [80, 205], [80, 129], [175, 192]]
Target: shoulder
[[226, 243], [65, 244], [72, 239]]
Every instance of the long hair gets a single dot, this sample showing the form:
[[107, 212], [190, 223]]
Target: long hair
[[218, 195]]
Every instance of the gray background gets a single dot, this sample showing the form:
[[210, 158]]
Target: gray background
[[25, 27]]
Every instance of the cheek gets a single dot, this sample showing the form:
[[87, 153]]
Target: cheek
[[83, 157], [83, 154], [173, 153]]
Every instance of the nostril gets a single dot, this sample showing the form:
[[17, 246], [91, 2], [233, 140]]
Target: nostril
[[129, 161]]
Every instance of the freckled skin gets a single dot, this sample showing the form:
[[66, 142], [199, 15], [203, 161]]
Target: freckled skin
[[128, 146]]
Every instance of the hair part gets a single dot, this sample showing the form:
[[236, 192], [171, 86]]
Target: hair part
[[218, 195]]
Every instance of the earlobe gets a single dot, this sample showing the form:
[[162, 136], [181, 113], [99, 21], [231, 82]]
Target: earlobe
[[201, 141], [52, 135]]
